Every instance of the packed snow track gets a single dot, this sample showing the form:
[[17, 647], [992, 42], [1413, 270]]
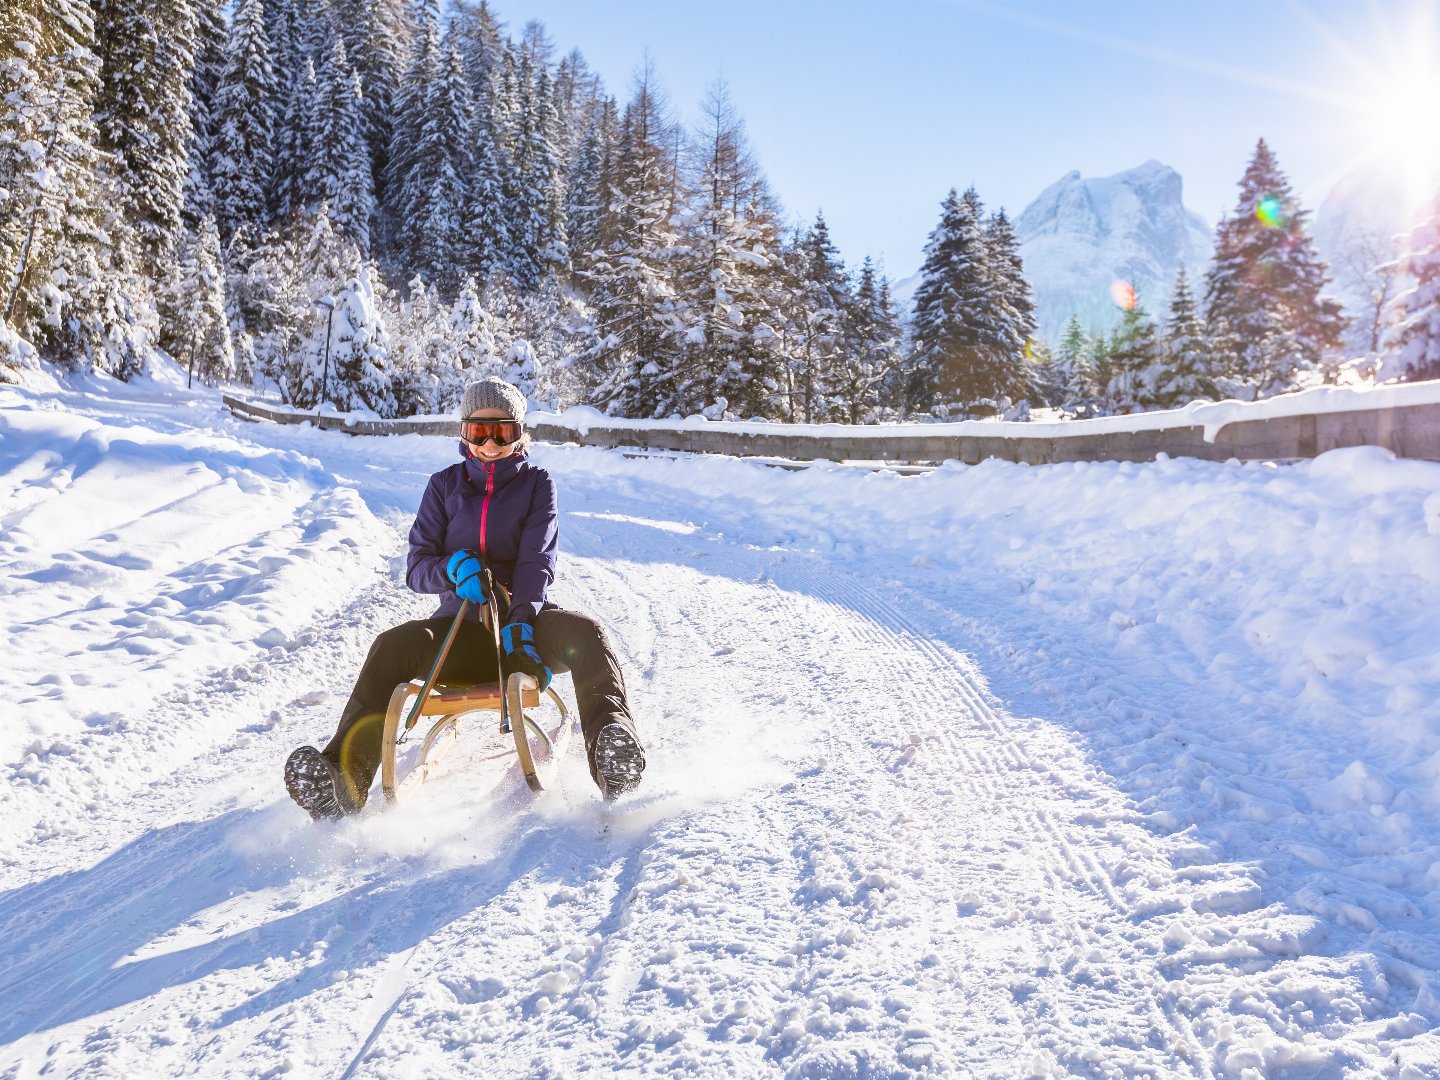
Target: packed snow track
[[994, 772]]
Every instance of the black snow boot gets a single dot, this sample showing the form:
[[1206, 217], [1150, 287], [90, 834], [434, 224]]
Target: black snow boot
[[318, 787], [616, 760]]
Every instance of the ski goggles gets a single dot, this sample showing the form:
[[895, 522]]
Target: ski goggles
[[504, 432]]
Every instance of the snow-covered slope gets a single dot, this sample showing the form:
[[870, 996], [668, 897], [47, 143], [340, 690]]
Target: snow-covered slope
[[1083, 770], [1081, 235]]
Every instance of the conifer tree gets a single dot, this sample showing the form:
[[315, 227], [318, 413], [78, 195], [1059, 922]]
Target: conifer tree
[[378, 43], [203, 326], [360, 348], [533, 185], [210, 36], [1074, 360], [723, 267], [147, 54], [441, 211], [1414, 338], [871, 349], [585, 185], [819, 323], [63, 285], [631, 271], [1132, 362], [959, 351], [429, 155], [298, 145], [1012, 304], [1186, 375], [340, 173], [244, 139], [1267, 319]]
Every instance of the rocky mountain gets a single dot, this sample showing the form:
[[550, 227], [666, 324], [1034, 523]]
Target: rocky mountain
[[1081, 236]]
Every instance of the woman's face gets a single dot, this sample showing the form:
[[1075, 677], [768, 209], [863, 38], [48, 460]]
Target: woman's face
[[490, 450]]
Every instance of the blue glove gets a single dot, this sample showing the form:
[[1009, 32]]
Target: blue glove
[[468, 573], [518, 640]]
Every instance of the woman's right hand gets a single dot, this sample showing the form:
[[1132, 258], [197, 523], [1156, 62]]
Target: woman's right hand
[[467, 573]]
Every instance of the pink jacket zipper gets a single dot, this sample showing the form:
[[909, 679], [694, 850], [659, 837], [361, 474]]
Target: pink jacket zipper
[[485, 506]]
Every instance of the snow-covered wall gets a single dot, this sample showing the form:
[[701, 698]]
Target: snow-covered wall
[[1404, 419]]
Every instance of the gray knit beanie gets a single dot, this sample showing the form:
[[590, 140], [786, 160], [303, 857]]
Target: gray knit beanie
[[493, 392]]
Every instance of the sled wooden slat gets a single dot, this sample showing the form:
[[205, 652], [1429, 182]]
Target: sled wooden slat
[[449, 703]]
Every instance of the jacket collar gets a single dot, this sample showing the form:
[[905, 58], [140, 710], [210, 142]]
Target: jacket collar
[[505, 468]]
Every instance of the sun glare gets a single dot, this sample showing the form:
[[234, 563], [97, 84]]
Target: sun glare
[[1400, 125]]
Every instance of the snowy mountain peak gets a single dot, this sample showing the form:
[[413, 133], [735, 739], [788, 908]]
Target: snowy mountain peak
[[1080, 235]]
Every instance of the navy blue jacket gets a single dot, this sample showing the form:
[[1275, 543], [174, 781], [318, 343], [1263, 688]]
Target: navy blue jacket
[[507, 512]]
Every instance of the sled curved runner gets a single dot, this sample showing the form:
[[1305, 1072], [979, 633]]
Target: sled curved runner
[[449, 704]]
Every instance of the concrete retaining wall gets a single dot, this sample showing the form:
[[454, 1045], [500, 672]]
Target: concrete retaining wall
[[1409, 430]]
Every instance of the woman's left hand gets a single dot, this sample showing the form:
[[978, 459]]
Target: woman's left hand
[[518, 640]]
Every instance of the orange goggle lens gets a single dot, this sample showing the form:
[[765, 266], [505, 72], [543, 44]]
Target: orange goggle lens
[[504, 432]]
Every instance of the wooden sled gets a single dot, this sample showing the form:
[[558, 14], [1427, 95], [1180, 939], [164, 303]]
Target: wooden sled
[[449, 704]]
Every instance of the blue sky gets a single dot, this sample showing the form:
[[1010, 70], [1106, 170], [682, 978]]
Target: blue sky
[[873, 110]]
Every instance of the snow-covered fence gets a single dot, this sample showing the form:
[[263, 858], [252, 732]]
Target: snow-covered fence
[[1404, 419]]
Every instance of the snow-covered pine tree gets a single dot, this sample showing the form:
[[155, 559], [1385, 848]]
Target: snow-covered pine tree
[[298, 145], [360, 348], [245, 124], [210, 35], [1187, 359], [957, 359], [147, 54], [580, 105], [439, 251], [43, 102], [818, 323], [867, 389], [378, 44], [1132, 363], [630, 273], [421, 356], [480, 41], [1266, 317], [1413, 342], [429, 155], [202, 324], [472, 346], [341, 172], [1012, 304], [1074, 359], [65, 288], [585, 186], [534, 184], [723, 270]]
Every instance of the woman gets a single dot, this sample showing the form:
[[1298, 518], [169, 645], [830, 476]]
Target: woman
[[494, 508]]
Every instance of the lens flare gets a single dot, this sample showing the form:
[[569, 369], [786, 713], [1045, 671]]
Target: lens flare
[[1271, 212], [1123, 293]]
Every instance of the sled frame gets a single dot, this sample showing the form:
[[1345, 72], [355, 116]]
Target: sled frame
[[448, 705]]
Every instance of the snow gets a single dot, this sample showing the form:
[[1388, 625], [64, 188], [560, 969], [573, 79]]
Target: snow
[[1094, 769]]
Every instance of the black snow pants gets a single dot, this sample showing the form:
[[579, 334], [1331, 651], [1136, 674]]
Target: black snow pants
[[566, 640]]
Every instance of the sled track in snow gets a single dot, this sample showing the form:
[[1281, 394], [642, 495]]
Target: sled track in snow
[[951, 761]]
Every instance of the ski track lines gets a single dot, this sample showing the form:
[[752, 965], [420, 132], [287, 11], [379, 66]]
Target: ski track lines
[[832, 799], [752, 929]]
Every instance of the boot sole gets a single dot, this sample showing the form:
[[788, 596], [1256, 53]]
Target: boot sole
[[619, 761], [313, 782]]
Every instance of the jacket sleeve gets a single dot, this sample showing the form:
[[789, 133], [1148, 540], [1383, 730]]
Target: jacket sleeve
[[425, 566], [539, 546]]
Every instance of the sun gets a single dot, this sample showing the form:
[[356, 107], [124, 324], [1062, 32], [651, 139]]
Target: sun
[[1399, 129]]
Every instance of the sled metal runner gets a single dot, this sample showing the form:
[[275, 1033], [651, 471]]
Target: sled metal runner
[[510, 699]]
